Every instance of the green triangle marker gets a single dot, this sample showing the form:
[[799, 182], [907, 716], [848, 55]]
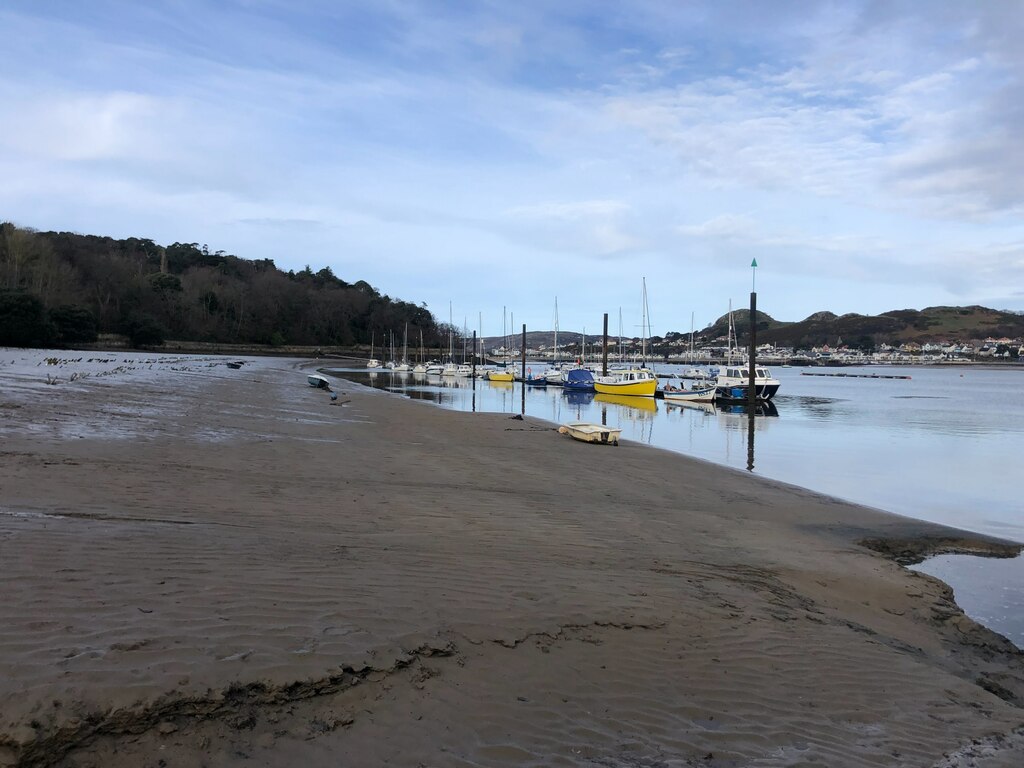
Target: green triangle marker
[[753, 263]]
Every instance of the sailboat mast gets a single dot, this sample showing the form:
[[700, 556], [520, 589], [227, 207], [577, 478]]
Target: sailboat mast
[[620, 334], [691, 338], [729, 336], [643, 328], [556, 331]]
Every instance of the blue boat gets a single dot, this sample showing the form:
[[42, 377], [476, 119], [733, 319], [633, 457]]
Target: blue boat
[[535, 380], [579, 380]]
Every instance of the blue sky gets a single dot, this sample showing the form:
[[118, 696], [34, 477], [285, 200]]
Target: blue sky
[[494, 154]]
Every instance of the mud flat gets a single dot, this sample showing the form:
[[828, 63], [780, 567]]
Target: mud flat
[[205, 566]]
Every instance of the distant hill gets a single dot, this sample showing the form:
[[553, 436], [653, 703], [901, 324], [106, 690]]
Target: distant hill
[[953, 324]]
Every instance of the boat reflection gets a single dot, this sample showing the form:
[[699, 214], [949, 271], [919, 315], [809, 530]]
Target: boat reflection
[[577, 397], [641, 405], [684, 405], [761, 408]]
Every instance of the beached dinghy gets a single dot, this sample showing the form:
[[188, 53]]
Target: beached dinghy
[[318, 381], [591, 433]]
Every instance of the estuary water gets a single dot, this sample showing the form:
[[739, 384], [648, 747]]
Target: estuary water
[[942, 444]]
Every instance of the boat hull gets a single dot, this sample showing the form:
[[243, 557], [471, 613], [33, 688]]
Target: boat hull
[[630, 388], [697, 395], [579, 380], [591, 433], [738, 392]]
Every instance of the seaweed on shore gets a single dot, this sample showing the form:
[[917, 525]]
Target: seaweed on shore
[[916, 550]]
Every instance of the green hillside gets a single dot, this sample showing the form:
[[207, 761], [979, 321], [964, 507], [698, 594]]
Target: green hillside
[[953, 324], [62, 288]]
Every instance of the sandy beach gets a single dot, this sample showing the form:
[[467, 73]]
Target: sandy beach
[[215, 567]]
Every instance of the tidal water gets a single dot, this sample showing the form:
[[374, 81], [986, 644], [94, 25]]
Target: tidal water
[[943, 445]]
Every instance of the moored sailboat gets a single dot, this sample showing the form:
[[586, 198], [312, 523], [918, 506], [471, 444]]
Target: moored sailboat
[[372, 362]]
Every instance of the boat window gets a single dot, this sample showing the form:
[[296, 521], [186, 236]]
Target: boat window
[[762, 373]]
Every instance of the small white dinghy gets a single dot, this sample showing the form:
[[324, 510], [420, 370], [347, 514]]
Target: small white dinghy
[[591, 433]]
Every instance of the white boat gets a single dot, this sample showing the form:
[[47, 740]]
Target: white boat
[[463, 370], [591, 433], [732, 383], [450, 369], [553, 375], [317, 381], [676, 391], [420, 367], [372, 362], [403, 367], [695, 373], [434, 369]]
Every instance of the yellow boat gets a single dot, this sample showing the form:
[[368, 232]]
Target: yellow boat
[[499, 375], [636, 382]]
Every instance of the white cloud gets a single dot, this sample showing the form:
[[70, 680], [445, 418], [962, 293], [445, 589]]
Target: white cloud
[[842, 145], [70, 126], [587, 227]]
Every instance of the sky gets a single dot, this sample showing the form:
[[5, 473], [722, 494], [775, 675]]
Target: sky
[[490, 158]]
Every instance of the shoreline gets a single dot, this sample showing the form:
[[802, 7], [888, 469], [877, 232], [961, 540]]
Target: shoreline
[[945, 540], [208, 565]]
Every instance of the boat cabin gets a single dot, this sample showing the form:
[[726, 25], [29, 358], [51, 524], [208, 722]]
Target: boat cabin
[[641, 374], [744, 373]]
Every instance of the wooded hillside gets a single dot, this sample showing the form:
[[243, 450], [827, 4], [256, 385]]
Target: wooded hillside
[[63, 288]]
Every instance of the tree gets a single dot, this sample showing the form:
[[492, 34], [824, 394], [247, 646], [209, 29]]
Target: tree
[[865, 344], [201, 294], [74, 325], [23, 321], [144, 331], [165, 283]]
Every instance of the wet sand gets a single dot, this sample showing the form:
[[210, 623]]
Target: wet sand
[[205, 566]]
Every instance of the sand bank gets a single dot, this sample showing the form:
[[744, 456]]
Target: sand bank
[[205, 566]]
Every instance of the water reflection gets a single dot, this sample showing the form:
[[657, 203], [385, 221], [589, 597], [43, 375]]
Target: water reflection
[[640, 407], [673, 405], [576, 397], [762, 408]]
